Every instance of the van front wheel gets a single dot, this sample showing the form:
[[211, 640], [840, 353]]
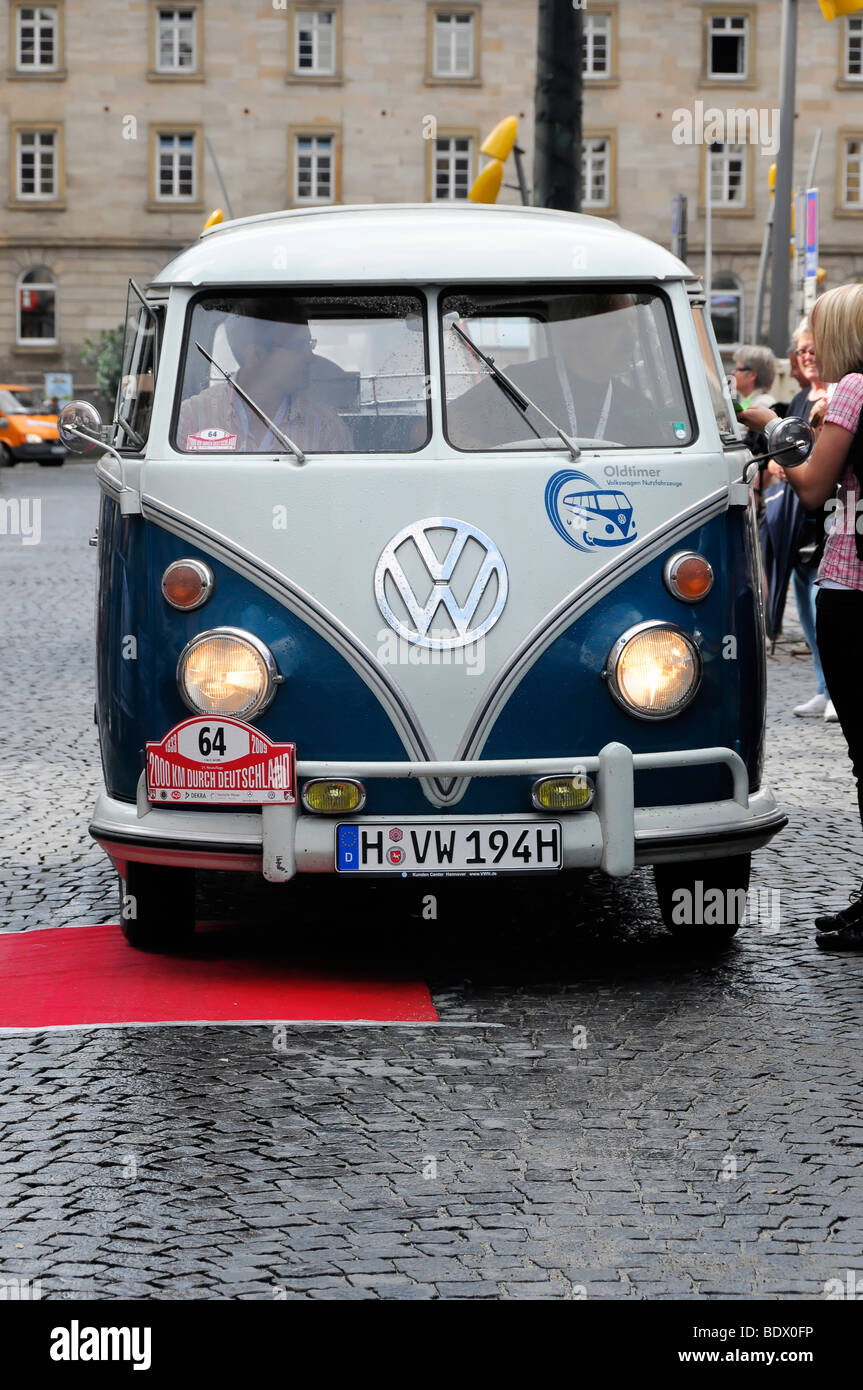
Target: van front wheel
[[157, 906], [704, 899]]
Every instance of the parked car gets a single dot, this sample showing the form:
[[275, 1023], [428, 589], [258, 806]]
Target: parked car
[[375, 601], [27, 430]]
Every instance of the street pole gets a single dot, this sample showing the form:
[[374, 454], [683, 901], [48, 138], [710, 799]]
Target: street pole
[[780, 289], [557, 103], [708, 229]]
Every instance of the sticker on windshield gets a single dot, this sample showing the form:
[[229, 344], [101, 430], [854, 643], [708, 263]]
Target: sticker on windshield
[[586, 516], [211, 439]]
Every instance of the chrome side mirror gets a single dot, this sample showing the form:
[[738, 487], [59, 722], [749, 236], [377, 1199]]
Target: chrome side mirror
[[790, 441], [79, 426]]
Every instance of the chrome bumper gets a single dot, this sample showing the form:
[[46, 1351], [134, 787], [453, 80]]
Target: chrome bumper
[[614, 835]]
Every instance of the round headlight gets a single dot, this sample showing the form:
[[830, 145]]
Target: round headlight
[[226, 671], [654, 670]]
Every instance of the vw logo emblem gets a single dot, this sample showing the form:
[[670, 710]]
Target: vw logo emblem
[[480, 568]]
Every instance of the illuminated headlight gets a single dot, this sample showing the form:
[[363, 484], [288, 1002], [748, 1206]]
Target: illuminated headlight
[[654, 670], [227, 671], [33, 439]]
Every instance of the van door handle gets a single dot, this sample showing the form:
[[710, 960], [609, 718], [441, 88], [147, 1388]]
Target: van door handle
[[94, 539]]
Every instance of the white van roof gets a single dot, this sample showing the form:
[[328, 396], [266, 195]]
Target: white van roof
[[418, 243]]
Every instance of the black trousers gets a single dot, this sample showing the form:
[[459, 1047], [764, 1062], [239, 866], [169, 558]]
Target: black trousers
[[839, 633]]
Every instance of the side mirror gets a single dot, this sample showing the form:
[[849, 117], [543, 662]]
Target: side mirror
[[790, 441], [79, 426]]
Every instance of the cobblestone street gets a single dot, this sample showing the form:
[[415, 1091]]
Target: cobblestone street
[[606, 1114]]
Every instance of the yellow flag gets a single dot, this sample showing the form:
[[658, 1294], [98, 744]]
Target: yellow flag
[[832, 9]]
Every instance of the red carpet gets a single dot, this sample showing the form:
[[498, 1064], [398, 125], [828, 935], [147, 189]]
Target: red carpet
[[87, 975]]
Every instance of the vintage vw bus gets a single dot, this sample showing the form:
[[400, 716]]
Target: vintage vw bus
[[425, 548]]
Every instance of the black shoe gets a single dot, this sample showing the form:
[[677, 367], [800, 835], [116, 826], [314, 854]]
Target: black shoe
[[846, 917], [848, 938]]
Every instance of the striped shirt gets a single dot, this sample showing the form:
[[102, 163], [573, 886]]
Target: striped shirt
[[839, 566], [217, 420]]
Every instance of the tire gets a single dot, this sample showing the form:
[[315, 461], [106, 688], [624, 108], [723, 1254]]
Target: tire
[[687, 910], [6, 458], [157, 906]]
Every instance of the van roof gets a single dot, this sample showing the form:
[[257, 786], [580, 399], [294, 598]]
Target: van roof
[[417, 243]]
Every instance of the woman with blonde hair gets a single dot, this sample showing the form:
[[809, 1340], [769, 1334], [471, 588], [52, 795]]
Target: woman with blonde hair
[[837, 460]]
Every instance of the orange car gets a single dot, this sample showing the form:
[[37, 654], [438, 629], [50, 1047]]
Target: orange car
[[26, 431]]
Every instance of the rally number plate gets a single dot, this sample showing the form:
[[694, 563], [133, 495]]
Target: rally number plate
[[220, 761], [467, 847]]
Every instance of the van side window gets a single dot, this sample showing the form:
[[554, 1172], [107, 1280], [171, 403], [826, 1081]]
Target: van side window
[[137, 382], [719, 398]]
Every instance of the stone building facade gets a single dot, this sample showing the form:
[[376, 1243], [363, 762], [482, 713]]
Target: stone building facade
[[111, 111]]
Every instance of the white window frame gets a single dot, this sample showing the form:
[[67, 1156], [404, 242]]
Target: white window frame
[[314, 154], [177, 152], [853, 33], [34, 285], [315, 21], [53, 24], [849, 159], [719, 24], [595, 160], [452, 157], [42, 139], [592, 24], [447, 25], [721, 162], [177, 29]]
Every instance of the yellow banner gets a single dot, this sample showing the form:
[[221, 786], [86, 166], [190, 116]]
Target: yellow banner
[[832, 9]]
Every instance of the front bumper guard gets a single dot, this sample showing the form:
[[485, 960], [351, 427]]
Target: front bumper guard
[[614, 835]]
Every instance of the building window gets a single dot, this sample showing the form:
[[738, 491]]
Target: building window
[[176, 167], [726, 309], [728, 47], [727, 165], [314, 169], [315, 42], [176, 40], [852, 169], [596, 173], [37, 165], [853, 71], [37, 43], [453, 167], [596, 48], [36, 307], [454, 41]]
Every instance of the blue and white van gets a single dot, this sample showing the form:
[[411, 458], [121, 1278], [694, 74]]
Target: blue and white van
[[425, 549]]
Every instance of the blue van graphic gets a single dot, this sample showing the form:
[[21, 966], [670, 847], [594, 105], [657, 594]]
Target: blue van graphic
[[588, 516]]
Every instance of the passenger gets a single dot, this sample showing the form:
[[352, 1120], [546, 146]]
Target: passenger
[[274, 360]]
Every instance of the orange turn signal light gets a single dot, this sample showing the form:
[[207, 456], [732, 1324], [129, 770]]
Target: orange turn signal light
[[688, 576], [187, 584]]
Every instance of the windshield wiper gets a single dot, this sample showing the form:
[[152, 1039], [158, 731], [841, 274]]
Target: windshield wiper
[[517, 396], [261, 414]]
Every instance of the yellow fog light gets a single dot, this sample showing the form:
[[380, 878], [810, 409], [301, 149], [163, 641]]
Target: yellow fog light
[[330, 796], [562, 793], [227, 671], [688, 576], [654, 670]]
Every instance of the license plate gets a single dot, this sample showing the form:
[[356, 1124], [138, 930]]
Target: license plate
[[57, 449], [464, 848]]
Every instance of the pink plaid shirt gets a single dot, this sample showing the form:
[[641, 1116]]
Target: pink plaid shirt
[[839, 563]]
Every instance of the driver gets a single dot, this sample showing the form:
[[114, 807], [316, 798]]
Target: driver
[[274, 358]]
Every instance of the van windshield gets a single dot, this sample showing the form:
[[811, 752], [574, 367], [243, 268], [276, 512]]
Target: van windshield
[[335, 373], [599, 366]]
